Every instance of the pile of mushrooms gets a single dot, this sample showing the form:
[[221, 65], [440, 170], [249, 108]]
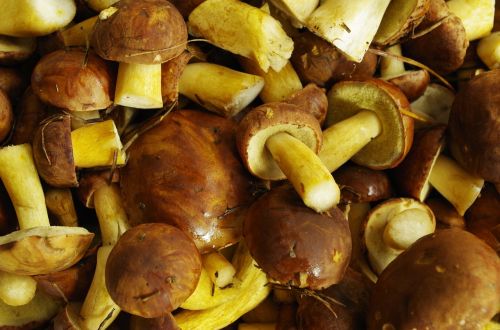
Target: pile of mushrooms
[[247, 164]]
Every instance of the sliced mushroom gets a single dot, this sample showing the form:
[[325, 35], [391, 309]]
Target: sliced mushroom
[[278, 140], [366, 124], [393, 226]]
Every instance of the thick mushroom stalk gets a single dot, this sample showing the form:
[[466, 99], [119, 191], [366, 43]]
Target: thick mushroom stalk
[[98, 309], [280, 140], [36, 248], [367, 125]]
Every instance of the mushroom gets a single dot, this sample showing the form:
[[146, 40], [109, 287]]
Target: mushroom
[[141, 36], [15, 50], [171, 71], [474, 128], [74, 79], [424, 166], [6, 116], [13, 82], [166, 322], [278, 140], [58, 151], [488, 50], [266, 312], [477, 16], [297, 11], [295, 245], [394, 225], [152, 269], [366, 124], [449, 279], [434, 105], [311, 99], [60, 204], [37, 247], [30, 112], [446, 215], [196, 181]]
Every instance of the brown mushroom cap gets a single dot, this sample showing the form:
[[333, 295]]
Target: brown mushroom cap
[[360, 184], [311, 99], [446, 280], [6, 115], [474, 126], [152, 270], [387, 150], [412, 83], [142, 32], [30, 111], [295, 245], [411, 177], [186, 172], [43, 250], [74, 80], [92, 181], [266, 120], [446, 214], [53, 152]]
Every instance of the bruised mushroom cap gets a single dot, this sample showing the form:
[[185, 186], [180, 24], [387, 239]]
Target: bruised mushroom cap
[[141, 32], [474, 126], [360, 184], [411, 177], [53, 152], [387, 150], [195, 180], [266, 120], [295, 245], [43, 250], [152, 269], [74, 80], [446, 280]]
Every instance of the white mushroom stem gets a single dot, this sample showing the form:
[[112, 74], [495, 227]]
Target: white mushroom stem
[[18, 174], [477, 16], [139, 86], [16, 290], [99, 310], [350, 25], [390, 66], [343, 140], [452, 181], [305, 171]]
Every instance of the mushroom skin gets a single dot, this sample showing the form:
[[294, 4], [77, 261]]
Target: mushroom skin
[[152, 269], [194, 179], [6, 115], [474, 127], [445, 280], [295, 245]]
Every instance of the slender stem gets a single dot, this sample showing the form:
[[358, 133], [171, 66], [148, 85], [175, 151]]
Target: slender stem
[[112, 218], [139, 86]]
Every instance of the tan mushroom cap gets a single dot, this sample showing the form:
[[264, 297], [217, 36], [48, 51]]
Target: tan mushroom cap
[[347, 98], [447, 280], [53, 152], [266, 120], [141, 32], [411, 177], [43, 250]]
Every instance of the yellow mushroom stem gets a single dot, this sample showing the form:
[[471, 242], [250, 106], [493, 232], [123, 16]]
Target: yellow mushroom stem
[[60, 204], [305, 171], [343, 140], [405, 227], [452, 181], [78, 34], [16, 290], [220, 270], [99, 310], [139, 86], [97, 145]]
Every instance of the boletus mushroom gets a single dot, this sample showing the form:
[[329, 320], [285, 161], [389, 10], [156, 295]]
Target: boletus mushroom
[[366, 124], [295, 245], [280, 140], [393, 226], [450, 279], [141, 36], [152, 269]]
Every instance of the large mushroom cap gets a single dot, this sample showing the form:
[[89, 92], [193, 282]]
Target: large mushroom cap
[[266, 120], [347, 98], [186, 172], [475, 126], [43, 250], [447, 280], [152, 269], [74, 80], [142, 32], [295, 245]]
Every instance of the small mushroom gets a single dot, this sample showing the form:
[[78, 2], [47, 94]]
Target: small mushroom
[[74, 80], [152, 269], [392, 226], [141, 36], [366, 123], [36, 248], [295, 245], [474, 128], [278, 140], [450, 279]]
